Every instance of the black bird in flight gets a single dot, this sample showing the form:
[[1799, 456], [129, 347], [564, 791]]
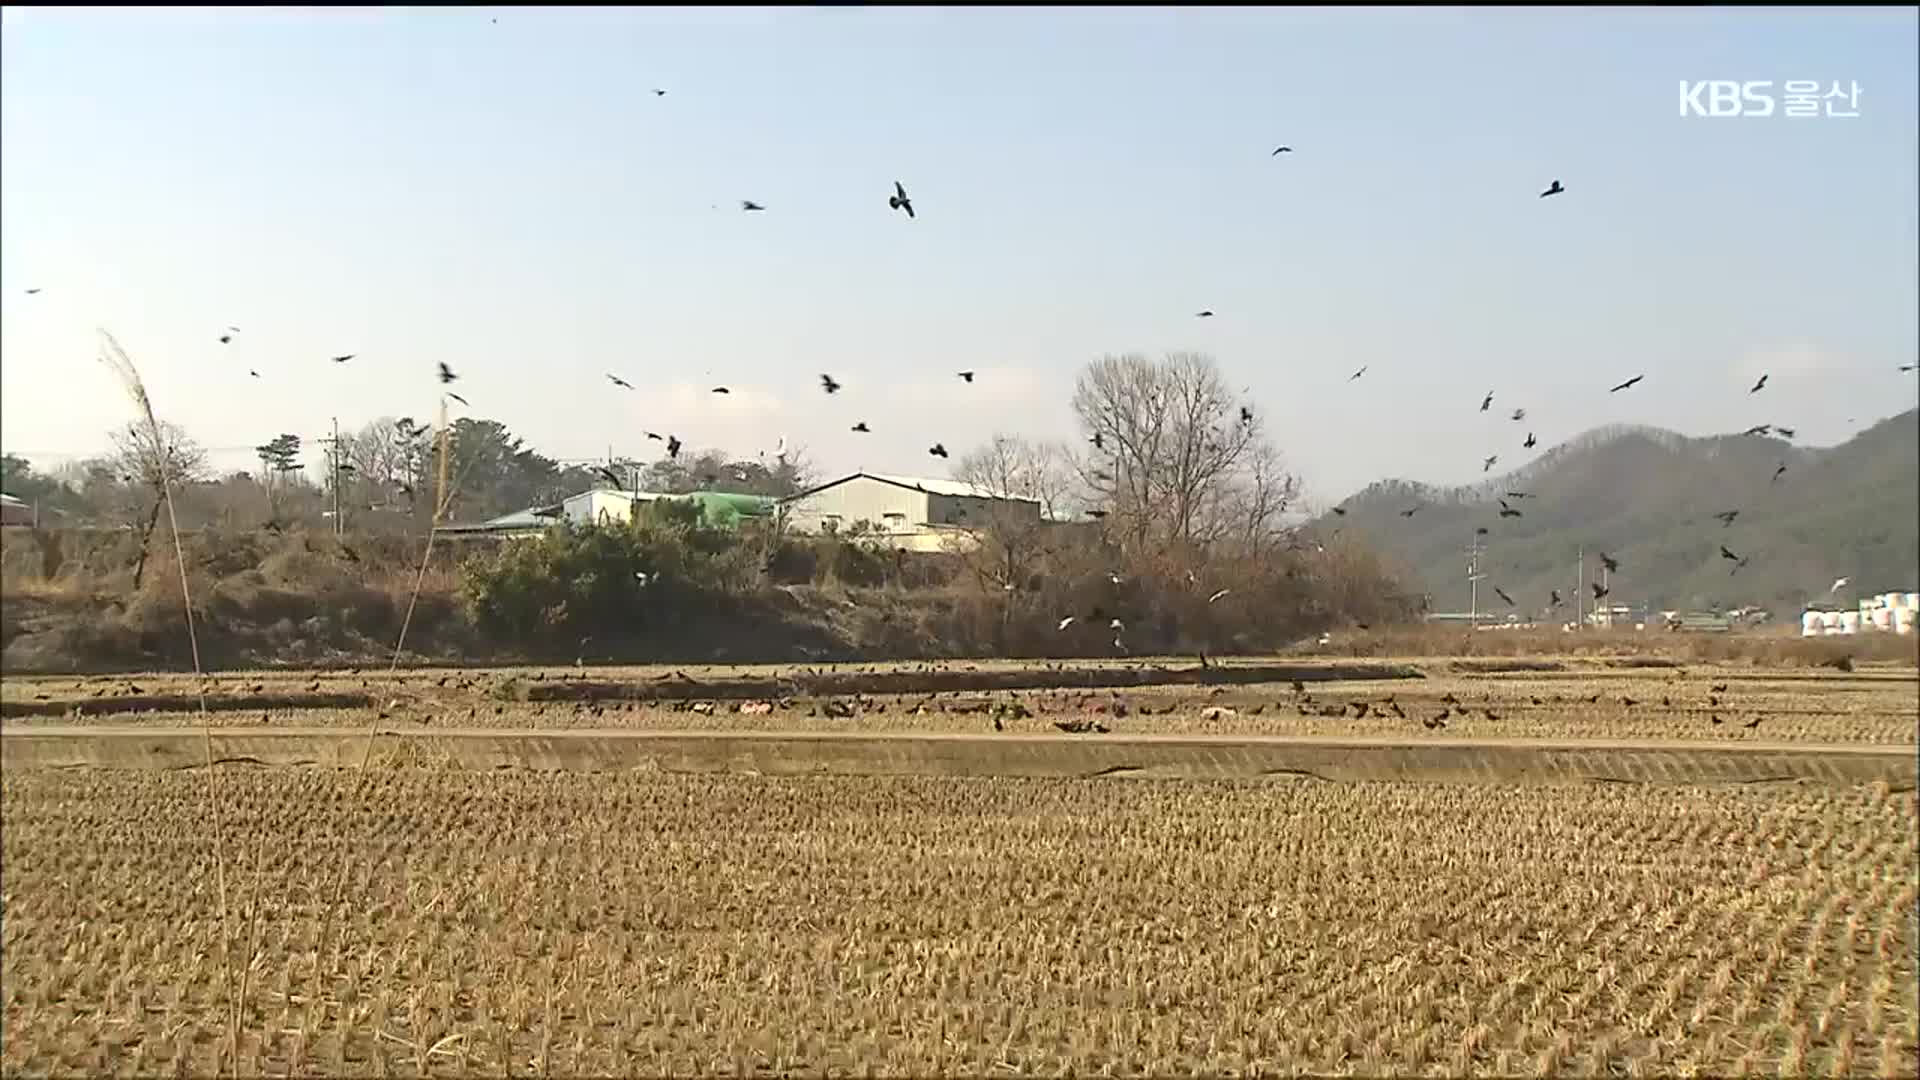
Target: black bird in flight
[[827, 384], [1409, 512], [1556, 597], [459, 399], [965, 376], [1726, 517], [749, 204], [1497, 591], [1339, 511], [862, 427], [1518, 495], [1626, 385], [721, 390], [898, 200], [349, 356], [1519, 414], [1508, 511], [608, 473], [226, 339], [673, 446], [446, 373], [1759, 385], [937, 450], [31, 292], [1779, 472], [1783, 432], [255, 374], [1729, 556], [1095, 440], [655, 435], [1282, 150], [1530, 443], [1481, 530], [1608, 561], [1357, 374], [659, 93], [1246, 415], [1203, 315], [1903, 367], [1600, 591], [1487, 465], [1552, 189], [618, 381], [1486, 402], [1758, 429]]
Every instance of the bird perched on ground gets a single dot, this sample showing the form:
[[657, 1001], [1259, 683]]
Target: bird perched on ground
[[1437, 722], [1096, 514], [1487, 465], [1486, 402], [1552, 189], [446, 373], [1759, 385], [749, 204], [1608, 561], [827, 384], [349, 356], [937, 450], [1497, 591], [1357, 374], [1530, 443], [898, 200], [1629, 384], [1281, 150], [965, 376], [618, 381], [862, 427], [1726, 517]]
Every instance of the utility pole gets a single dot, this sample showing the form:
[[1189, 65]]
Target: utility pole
[[1473, 581], [440, 486], [333, 473], [1580, 589]]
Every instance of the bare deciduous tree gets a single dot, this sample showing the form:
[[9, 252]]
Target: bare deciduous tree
[[147, 458], [1010, 468]]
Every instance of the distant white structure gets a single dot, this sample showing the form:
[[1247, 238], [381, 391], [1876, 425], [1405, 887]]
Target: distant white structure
[[1886, 613], [906, 512]]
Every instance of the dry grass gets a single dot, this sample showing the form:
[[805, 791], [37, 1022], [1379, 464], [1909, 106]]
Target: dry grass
[[634, 924], [1773, 646], [1788, 706]]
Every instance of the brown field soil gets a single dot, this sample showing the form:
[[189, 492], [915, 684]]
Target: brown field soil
[[460, 923], [1583, 700]]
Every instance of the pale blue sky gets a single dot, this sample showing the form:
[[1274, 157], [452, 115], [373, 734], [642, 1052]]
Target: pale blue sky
[[511, 198]]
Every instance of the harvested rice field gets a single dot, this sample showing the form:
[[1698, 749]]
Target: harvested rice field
[[435, 922], [1420, 701]]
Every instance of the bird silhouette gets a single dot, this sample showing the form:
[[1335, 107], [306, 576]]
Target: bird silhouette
[[1246, 415], [33, 292], [1629, 384], [827, 384], [1218, 595], [1519, 495], [1519, 414], [1203, 315], [1903, 367], [459, 399], [1497, 591], [1600, 591], [618, 381], [1281, 150], [1783, 432], [1487, 465], [1481, 530], [1409, 512], [659, 93], [862, 427], [1608, 561], [1486, 402], [1552, 189], [673, 446], [898, 200], [602, 470], [1530, 443], [1339, 511], [1555, 600], [721, 390], [1759, 385], [1728, 555], [937, 450], [965, 376], [226, 339], [749, 204], [1779, 472], [655, 435], [255, 374], [1508, 511], [1357, 374], [347, 357], [1758, 429], [1726, 517], [446, 373]]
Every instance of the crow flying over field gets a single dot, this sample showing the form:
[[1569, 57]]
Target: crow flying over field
[[1487, 465], [827, 384], [721, 390], [1728, 555], [1481, 530], [446, 373], [863, 428], [1409, 512], [459, 399], [1757, 387], [1758, 429], [1783, 432], [1608, 561], [937, 450], [1779, 472], [31, 292], [898, 200], [1519, 414], [1281, 150], [1508, 511], [1600, 591], [1519, 495], [349, 356], [1552, 189], [1246, 415], [1726, 517], [1357, 374], [1626, 385], [655, 435], [749, 204], [618, 381], [226, 339], [1497, 591], [1530, 443], [965, 376], [1555, 598], [1486, 402], [1903, 367], [673, 446], [1203, 315], [1339, 511], [602, 470], [253, 373]]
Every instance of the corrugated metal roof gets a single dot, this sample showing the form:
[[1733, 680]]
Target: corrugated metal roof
[[921, 483], [10, 500]]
